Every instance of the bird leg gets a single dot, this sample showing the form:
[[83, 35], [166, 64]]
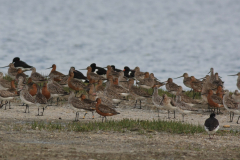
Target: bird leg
[[230, 116], [183, 117], [6, 102], [84, 115], [77, 114], [42, 111], [57, 100], [168, 114], [238, 119], [140, 104], [93, 114], [28, 108], [174, 114], [9, 105], [135, 104]]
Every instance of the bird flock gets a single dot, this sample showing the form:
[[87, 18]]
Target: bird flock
[[119, 85]]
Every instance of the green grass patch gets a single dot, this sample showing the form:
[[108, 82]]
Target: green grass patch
[[141, 126]]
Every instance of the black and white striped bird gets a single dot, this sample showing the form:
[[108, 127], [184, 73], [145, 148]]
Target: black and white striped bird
[[211, 125]]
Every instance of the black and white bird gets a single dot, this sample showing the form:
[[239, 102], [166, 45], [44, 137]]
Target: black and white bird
[[211, 125], [21, 64], [128, 72], [98, 70]]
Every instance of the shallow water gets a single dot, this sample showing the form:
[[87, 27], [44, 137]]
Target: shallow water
[[167, 38]]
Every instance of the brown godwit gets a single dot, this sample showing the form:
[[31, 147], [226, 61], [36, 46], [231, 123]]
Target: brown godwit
[[88, 101], [8, 95], [91, 92], [186, 80], [211, 125], [171, 86], [55, 89], [116, 97], [183, 97], [196, 85], [137, 93], [238, 79], [104, 110], [122, 81], [21, 64], [37, 77], [91, 76], [111, 72], [236, 97], [99, 86], [74, 102], [75, 84], [12, 71], [230, 106], [118, 89], [217, 81], [21, 74], [214, 101], [104, 99], [4, 84], [40, 100], [26, 97], [33, 89], [45, 91], [20, 83], [57, 76], [168, 104], [148, 82], [139, 75]]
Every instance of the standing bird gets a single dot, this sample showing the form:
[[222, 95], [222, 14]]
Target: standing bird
[[21, 74], [20, 64], [115, 69], [186, 80], [238, 79], [137, 93], [104, 110], [230, 106], [8, 95], [88, 101], [57, 76], [4, 84], [139, 75], [75, 103], [171, 86], [75, 84], [211, 125], [55, 89], [12, 71], [40, 100], [26, 98], [37, 77]]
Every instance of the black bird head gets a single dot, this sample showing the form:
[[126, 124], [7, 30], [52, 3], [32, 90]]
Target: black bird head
[[16, 59], [93, 65], [212, 115]]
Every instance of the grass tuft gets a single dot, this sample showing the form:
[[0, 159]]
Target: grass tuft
[[141, 126]]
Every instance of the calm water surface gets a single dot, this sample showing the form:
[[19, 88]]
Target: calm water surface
[[167, 38]]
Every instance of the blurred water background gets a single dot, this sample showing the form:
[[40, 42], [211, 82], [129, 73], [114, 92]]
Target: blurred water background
[[167, 38]]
